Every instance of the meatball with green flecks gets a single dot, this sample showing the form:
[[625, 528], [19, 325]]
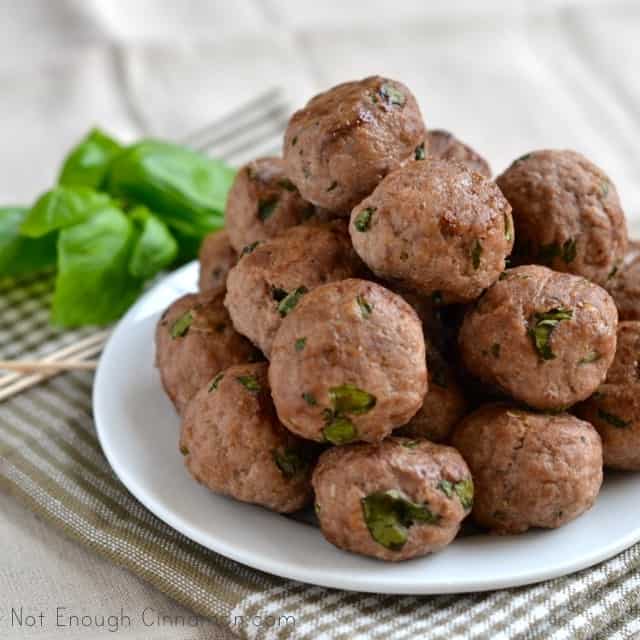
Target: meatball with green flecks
[[442, 145], [194, 340], [262, 203], [614, 410], [345, 140], [348, 364], [437, 228], [395, 500], [233, 443], [216, 259], [272, 277], [529, 469], [567, 214], [544, 338]]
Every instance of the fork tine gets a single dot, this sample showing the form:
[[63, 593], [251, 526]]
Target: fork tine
[[211, 132], [266, 137]]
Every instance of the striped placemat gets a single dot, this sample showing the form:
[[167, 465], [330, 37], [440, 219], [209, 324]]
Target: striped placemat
[[51, 460]]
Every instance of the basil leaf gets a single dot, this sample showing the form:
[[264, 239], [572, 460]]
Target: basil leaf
[[180, 326], [309, 398], [250, 248], [419, 152], [300, 344], [62, 207], [290, 462], [592, 356], [93, 285], [508, 230], [288, 304], [186, 189], [389, 515], [476, 253], [88, 162], [365, 307], [213, 386], [363, 220], [249, 383], [462, 489], [340, 431], [348, 398], [392, 95], [542, 325], [19, 255], [155, 248], [613, 419]]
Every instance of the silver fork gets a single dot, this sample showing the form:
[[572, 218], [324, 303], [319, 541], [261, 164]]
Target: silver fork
[[253, 129]]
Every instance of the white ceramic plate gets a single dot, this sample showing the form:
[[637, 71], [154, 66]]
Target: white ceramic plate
[[138, 429]]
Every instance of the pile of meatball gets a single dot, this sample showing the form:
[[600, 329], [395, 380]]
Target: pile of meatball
[[386, 332]]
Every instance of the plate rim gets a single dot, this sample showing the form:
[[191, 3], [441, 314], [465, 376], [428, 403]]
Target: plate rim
[[295, 572]]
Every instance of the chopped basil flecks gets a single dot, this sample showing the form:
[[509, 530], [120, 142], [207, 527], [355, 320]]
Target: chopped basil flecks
[[410, 444], [215, 382], [348, 398], [389, 514], [332, 186], [542, 325], [309, 398], [526, 156], [180, 326], [392, 95], [462, 489], [249, 248], [266, 208], [476, 253], [613, 419], [420, 154], [288, 304], [184, 450], [613, 272], [249, 383], [592, 356], [365, 307], [278, 294], [508, 229], [363, 220], [569, 251], [300, 344], [340, 431], [290, 462]]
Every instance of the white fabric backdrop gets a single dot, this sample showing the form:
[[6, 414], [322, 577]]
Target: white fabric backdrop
[[507, 76]]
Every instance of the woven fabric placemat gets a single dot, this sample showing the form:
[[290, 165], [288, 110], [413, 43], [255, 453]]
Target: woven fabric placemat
[[51, 460]]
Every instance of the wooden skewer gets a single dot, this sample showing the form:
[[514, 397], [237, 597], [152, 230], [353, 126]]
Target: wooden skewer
[[27, 366], [70, 351]]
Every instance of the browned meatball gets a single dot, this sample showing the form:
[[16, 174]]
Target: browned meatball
[[443, 145], [395, 500], [624, 285], [529, 469], [194, 340], [233, 443], [614, 410], [345, 140], [567, 214], [216, 258], [435, 227], [262, 203], [348, 364], [444, 405], [545, 338], [269, 281]]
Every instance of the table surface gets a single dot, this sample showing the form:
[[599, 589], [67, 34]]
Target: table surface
[[506, 76]]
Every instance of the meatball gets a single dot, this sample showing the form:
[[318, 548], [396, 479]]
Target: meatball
[[262, 203], [567, 214], [529, 469], [216, 258], [435, 227], [269, 281], [348, 364], [444, 405], [543, 337], [394, 500], [443, 145], [233, 443], [344, 141], [194, 340], [614, 410], [624, 285]]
